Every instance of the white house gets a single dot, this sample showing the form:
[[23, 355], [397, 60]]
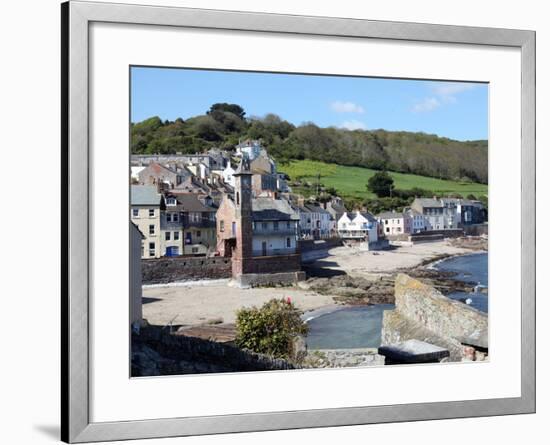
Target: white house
[[359, 226], [395, 223], [251, 148], [227, 175]]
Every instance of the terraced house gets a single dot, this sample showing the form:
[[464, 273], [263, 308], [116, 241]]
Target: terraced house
[[188, 225], [145, 207], [439, 214]]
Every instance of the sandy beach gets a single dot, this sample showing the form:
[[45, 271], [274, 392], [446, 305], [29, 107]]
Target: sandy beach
[[360, 263], [188, 305], [193, 304]]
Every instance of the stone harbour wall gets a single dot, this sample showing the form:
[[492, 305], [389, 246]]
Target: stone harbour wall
[[423, 313]]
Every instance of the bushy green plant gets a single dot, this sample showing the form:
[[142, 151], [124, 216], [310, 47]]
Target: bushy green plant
[[271, 328]]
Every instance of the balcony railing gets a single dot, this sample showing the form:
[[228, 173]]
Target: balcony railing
[[258, 230], [352, 233]]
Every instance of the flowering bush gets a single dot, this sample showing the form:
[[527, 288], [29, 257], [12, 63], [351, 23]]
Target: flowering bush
[[270, 329]]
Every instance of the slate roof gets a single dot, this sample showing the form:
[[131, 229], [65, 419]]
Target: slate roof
[[390, 215], [429, 202], [369, 217], [189, 202], [144, 195], [268, 209], [315, 208]]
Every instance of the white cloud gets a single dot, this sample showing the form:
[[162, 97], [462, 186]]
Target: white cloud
[[447, 89], [346, 107], [428, 104], [442, 93], [353, 125]]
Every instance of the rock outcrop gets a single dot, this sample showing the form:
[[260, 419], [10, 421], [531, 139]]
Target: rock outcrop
[[423, 313]]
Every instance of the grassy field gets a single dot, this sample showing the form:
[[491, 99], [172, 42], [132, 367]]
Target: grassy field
[[351, 181]]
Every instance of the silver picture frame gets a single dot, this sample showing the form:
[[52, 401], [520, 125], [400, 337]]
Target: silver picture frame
[[76, 18]]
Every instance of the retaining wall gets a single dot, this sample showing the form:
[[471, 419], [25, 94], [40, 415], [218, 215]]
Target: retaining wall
[[157, 352], [172, 269]]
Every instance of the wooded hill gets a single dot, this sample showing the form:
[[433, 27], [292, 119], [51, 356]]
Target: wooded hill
[[400, 151]]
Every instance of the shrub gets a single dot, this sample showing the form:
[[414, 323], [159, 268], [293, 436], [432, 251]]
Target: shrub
[[270, 329]]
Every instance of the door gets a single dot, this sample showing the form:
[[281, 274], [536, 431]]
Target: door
[[172, 251], [264, 248]]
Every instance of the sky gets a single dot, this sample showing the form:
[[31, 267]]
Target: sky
[[456, 110]]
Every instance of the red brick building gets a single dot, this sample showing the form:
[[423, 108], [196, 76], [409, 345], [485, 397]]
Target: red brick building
[[259, 234]]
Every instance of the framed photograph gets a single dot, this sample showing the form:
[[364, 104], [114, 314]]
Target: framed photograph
[[277, 222]]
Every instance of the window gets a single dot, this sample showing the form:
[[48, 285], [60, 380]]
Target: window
[[264, 225], [288, 242], [198, 233], [151, 229], [151, 249], [288, 224], [176, 236], [171, 201], [167, 236], [276, 225], [399, 229], [135, 213], [387, 230], [151, 213], [194, 250], [238, 198], [387, 222], [222, 225], [172, 217]]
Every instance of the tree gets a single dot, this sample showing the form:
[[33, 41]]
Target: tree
[[230, 108], [381, 184], [270, 329]]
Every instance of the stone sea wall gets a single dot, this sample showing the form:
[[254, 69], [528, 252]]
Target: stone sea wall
[[423, 313]]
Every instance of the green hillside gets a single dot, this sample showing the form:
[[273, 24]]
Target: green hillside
[[350, 182], [224, 125]]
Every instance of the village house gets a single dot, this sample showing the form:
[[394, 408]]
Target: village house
[[360, 226], [335, 207], [249, 148], [259, 234], [162, 176], [315, 222], [264, 175], [470, 212], [227, 175], [199, 170], [417, 219], [145, 207], [188, 225], [395, 223], [438, 214], [214, 159]]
